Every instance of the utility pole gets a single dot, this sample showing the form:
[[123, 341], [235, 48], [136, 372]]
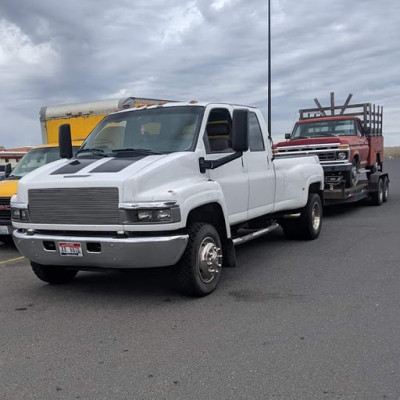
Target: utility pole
[[269, 70]]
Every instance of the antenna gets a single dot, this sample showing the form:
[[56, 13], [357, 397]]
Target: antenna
[[269, 70]]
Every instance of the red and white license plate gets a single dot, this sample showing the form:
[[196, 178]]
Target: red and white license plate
[[70, 249]]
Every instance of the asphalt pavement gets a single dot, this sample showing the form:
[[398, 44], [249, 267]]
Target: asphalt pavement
[[295, 320]]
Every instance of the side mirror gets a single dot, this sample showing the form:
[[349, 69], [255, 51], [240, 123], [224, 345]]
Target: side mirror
[[64, 141], [7, 170], [287, 136], [240, 128]]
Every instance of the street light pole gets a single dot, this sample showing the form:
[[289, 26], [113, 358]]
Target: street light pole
[[269, 70]]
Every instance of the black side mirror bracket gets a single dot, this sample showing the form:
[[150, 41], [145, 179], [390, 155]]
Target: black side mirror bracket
[[64, 141], [212, 164]]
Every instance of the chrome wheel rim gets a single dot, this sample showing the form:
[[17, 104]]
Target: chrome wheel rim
[[316, 216], [380, 191], [354, 175], [209, 260], [386, 189]]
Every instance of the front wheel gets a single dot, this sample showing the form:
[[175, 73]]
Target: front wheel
[[199, 269], [353, 175], [7, 239], [53, 274]]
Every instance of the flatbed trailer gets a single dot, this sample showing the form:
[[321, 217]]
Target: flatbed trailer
[[376, 186]]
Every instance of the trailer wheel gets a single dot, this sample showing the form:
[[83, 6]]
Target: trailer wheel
[[199, 269], [53, 274], [377, 197], [308, 225], [385, 189]]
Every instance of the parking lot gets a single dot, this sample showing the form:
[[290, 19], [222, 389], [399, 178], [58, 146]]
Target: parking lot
[[295, 320]]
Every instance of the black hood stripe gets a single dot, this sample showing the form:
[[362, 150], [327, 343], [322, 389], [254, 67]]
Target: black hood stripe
[[116, 164], [74, 166], [113, 165]]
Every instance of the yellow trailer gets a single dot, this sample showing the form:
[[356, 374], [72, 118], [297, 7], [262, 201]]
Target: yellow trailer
[[83, 117]]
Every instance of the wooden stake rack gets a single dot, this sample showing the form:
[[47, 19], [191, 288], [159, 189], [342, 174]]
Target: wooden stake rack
[[371, 116]]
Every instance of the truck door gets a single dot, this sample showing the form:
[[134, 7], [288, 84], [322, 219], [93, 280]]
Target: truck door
[[260, 170], [232, 176]]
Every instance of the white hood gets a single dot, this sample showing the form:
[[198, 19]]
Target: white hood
[[133, 176]]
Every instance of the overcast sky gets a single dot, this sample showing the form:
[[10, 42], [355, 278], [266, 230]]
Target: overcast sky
[[56, 52]]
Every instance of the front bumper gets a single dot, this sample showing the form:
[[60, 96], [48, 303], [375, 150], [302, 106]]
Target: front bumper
[[342, 167], [103, 252]]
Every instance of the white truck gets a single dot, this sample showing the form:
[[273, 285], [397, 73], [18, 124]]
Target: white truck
[[178, 184]]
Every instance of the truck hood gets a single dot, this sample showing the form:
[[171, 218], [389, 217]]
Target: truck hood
[[8, 187], [310, 141], [137, 178]]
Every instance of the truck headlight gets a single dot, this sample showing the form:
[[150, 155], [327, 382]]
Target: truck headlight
[[157, 212], [342, 155], [19, 214]]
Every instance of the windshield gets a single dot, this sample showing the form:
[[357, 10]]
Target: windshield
[[324, 128], [147, 131], [35, 159]]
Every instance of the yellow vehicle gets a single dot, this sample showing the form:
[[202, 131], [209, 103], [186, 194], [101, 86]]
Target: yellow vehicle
[[32, 160], [83, 117]]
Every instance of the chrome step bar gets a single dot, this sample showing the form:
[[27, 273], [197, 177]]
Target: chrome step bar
[[254, 235]]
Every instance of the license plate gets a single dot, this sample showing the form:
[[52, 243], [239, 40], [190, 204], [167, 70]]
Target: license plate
[[70, 249], [5, 230]]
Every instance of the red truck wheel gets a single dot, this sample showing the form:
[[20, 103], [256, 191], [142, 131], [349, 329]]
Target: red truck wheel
[[353, 175]]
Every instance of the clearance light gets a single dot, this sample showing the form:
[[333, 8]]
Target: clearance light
[[193, 102]]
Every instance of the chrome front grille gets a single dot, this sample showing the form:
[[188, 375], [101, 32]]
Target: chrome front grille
[[327, 156], [5, 211], [78, 206]]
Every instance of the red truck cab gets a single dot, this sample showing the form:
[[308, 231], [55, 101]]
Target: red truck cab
[[346, 143]]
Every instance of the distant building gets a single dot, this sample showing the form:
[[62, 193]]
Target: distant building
[[12, 155]]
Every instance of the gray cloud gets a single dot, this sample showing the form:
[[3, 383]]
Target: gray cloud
[[62, 52]]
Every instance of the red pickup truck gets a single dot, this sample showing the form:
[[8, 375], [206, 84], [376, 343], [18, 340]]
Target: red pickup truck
[[347, 139], [349, 144]]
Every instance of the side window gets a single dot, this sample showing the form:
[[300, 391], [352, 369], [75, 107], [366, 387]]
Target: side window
[[359, 130], [218, 133], [256, 141]]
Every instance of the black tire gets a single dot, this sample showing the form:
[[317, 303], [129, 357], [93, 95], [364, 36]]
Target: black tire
[[377, 197], [8, 240], [52, 274], [308, 225], [352, 177], [194, 275], [385, 189]]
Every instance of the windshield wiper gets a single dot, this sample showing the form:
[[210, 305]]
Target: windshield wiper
[[132, 150], [96, 152]]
